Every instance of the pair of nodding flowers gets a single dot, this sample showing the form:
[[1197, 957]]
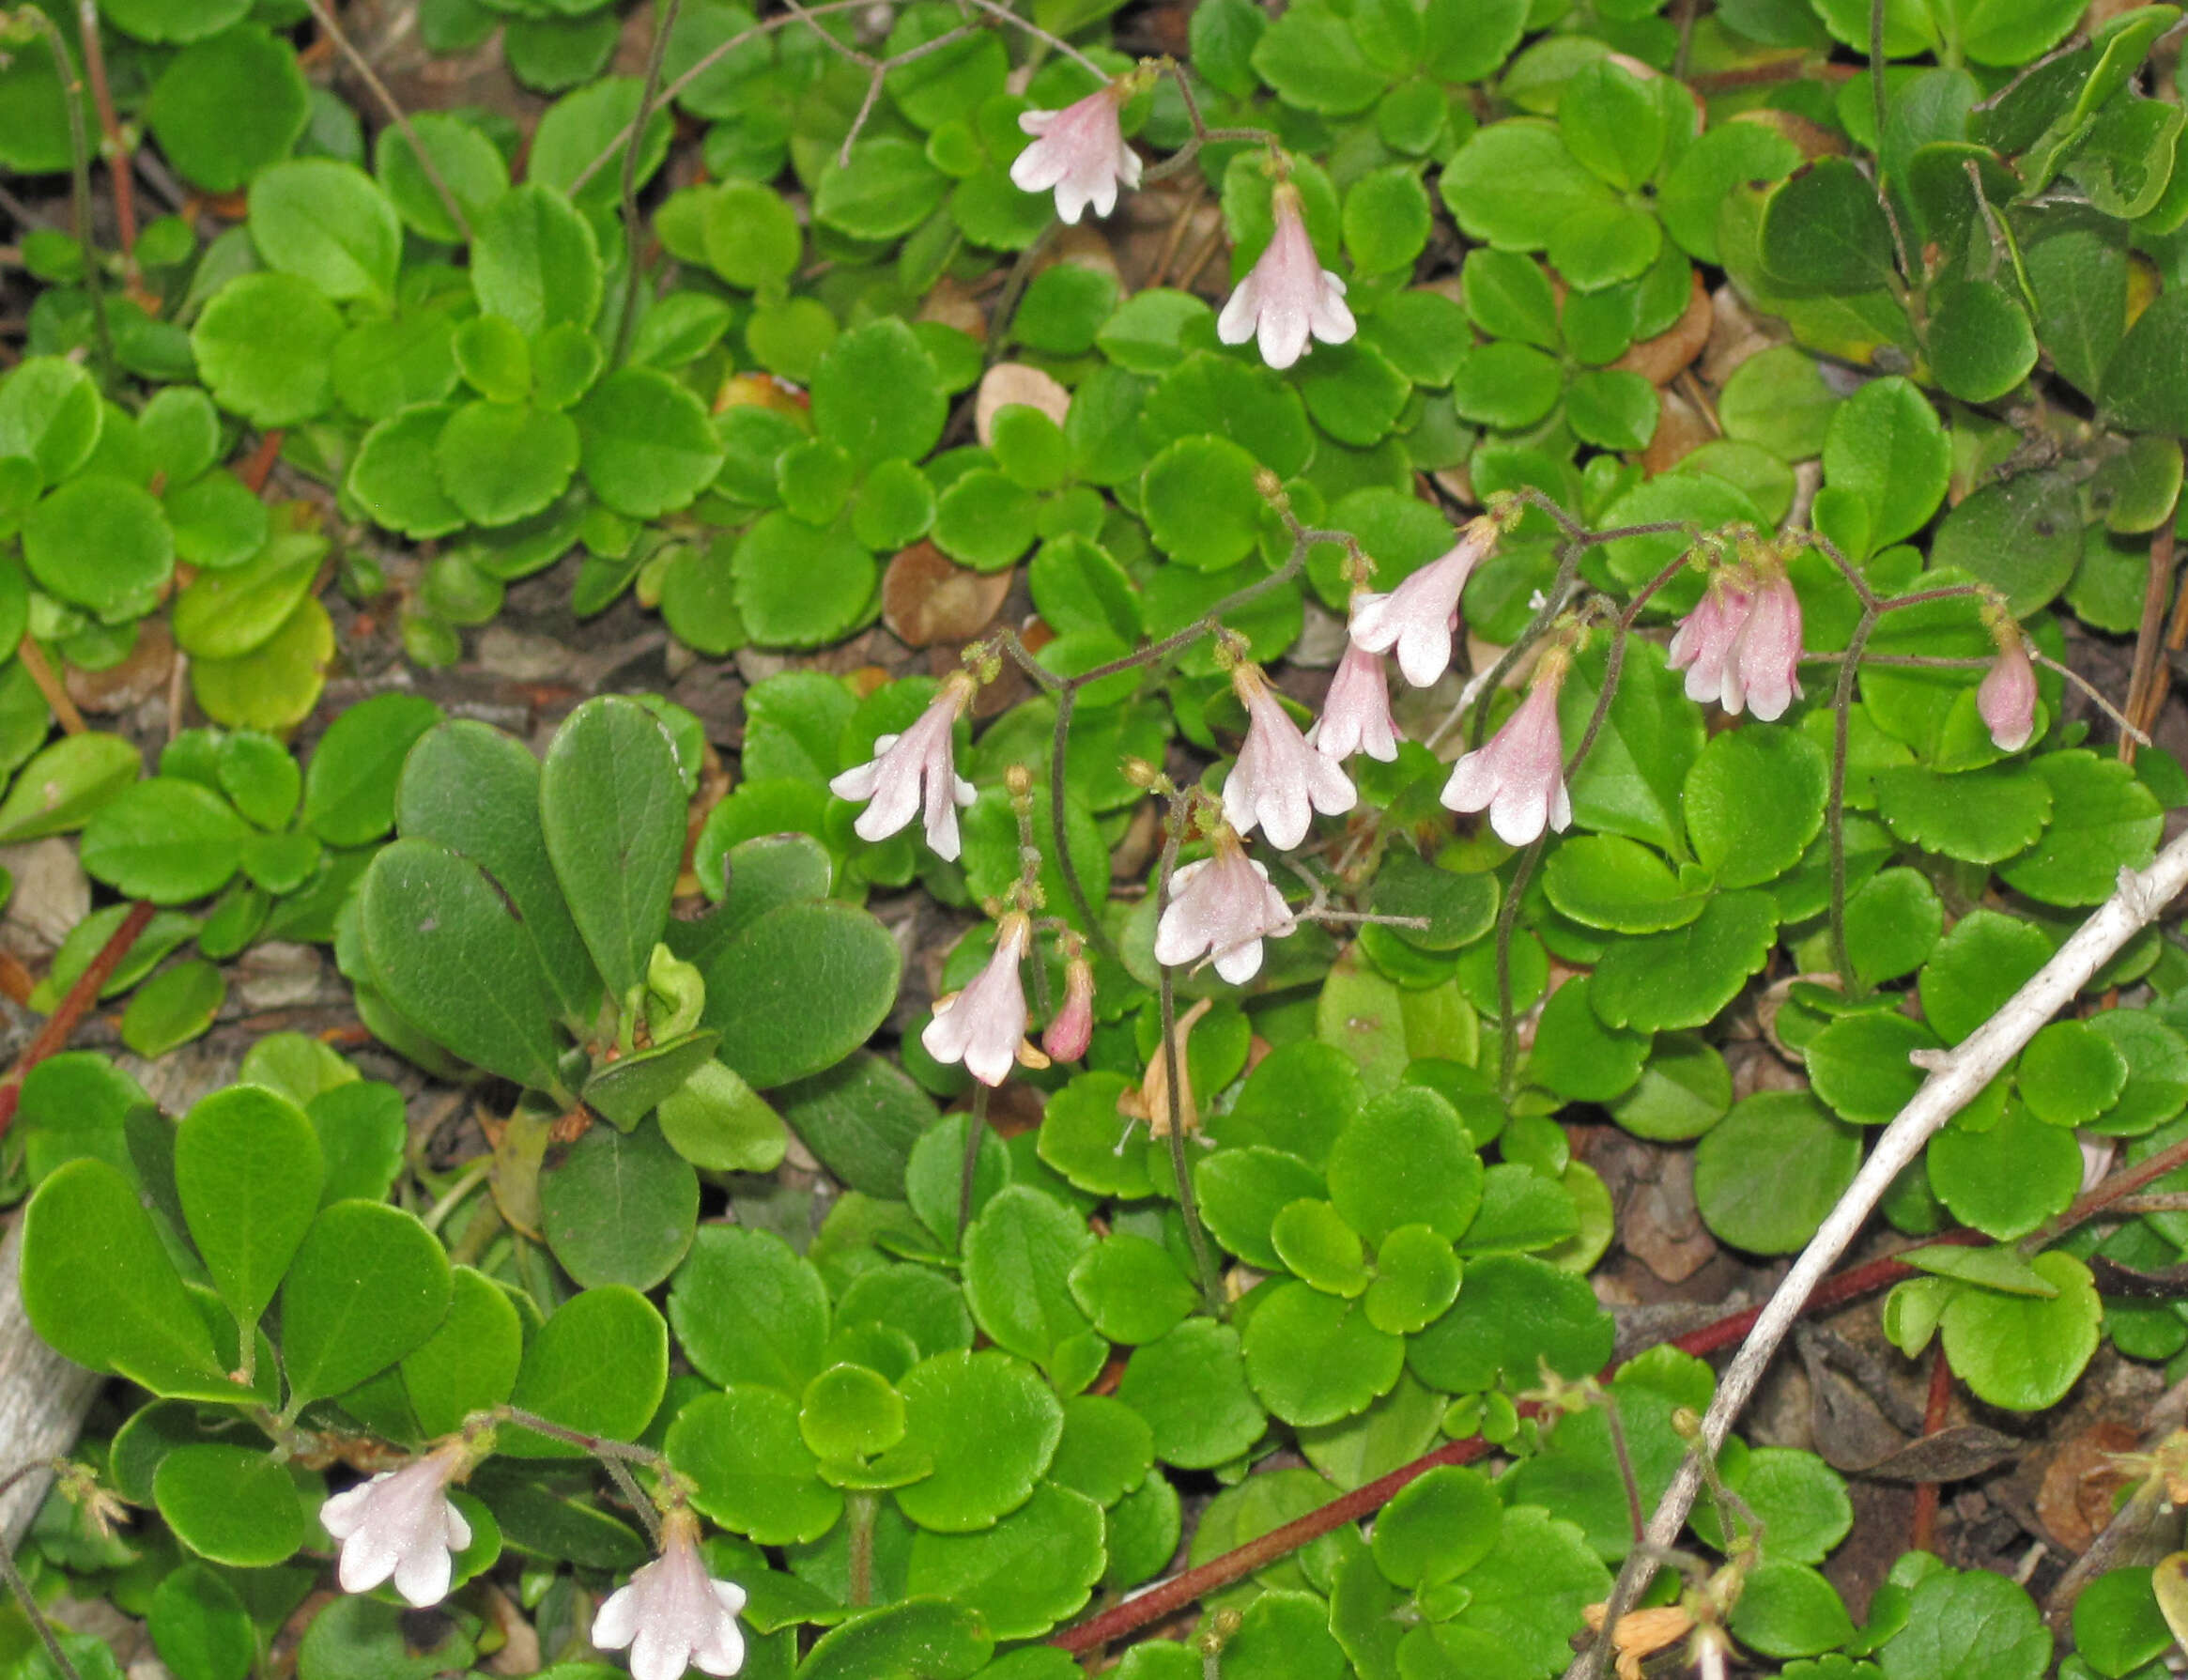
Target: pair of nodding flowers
[[1284, 300], [402, 1525]]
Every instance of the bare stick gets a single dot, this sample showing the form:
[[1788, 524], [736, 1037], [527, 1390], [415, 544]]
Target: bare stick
[[1955, 1078]]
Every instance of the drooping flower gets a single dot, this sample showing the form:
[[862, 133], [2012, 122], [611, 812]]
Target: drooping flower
[[1768, 655], [920, 761], [1518, 777], [1222, 906], [1356, 712], [402, 1524], [2006, 697], [1417, 617], [1080, 151], [1288, 296], [1706, 644], [1072, 1029], [1278, 781], [673, 1615], [984, 1026]]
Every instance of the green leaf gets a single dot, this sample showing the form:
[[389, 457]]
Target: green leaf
[[1201, 503], [1318, 1245], [1405, 1159], [800, 990], [2022, 536], [2119, 1626], [265, 347], [920, 1639], [1190, 1387], [1981, 344], [886, 189], [1314, 1358], [448, 953], [748, 1310], [98, 1287], [599, 1364], [535, 261], [1416, 1276], [620, 1208], [469, 162], [469, 1364], [49, 413], [476, 791], [1716, 164], [2006, 1181], [1767, 1173], [2069, 1073], [1755, 800], [368, 1285], [860, 1118], [1684, 978], [1132, 1289], [1789, 1609], [647, 445], [327, 223], [796, 587], [164, 839], [1607, 881], [226, 106], [1515, 183], [613, 810], [502, 462], [224, 615], [350, 788], [1981, 816], [2103, 821], [248, 1171], [1633, 780], [1513, 1311], [990, 1426], [1969, 1625], [1529, 1591], [101, 542], [1437, 1527], [1018, 1254], [750, 1468], [173, 1007], [200, 1628], [1612, 123], [1311, 57], [1823, 228], [1886, 445], [231, 1505], [876, 394], [1023, 1576], [60, 788]]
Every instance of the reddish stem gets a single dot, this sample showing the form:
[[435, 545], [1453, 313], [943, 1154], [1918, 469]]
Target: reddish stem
[[118, 158], [1181, 1590], [1933, 1416], [54, 1036], [259, 467]]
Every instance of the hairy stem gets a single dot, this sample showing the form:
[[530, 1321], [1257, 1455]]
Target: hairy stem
[[633, 228], [1835, 801]]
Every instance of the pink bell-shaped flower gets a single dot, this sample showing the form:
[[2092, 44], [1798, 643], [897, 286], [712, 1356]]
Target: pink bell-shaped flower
[[673, 1615], [1222, 906], [918, 766], [1288, 296], [1072, 1027], [1356, 712], [1768, 653], [1278, 781], [1706, 644], [1417, 617], [1520, 775], [2007, 695], [984, 1026], [401, 1525], [1080, 151]]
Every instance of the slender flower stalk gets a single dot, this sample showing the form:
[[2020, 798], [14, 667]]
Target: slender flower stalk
[[2006, 697], [401, 1525], [917, 767], [1518, 777], [1080, 151], [1278, 781], [1417, 618], [1222, 907], [1356, 712], [984, 1026], [673, 1615], [1288, 297]]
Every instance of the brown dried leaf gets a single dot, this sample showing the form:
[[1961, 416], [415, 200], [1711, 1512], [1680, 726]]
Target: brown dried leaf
[[1658, 360], [1009, 382], [1680, 427], [2076, 1500], [141, 674], [1952, 1455], [926, 597]]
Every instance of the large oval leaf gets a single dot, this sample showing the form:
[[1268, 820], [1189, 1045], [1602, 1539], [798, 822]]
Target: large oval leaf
[[800, 989]]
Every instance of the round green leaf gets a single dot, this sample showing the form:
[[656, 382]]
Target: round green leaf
[[750, 1469], [1607, 881], [1684, 978], [469, 1364], [876, 394], [49, 413], [599, 1364], [470, 165], [1969, 1625], [100, 543], [164, 839], [800, 990], [748, 1310], [2117, 1625], [1437, 1527], [1514, 1312], [985, 519], [1405, 1159], [990, 1426], [1028, 1572], [1755, 800], [2104, 819], [2070, 1073], [1789, 1609], [248, 1171], [1767, 1173], [796, 587], [368, 1285], [502, 462], [848, 1412], [231, 1505], [1981, 345], [1132, 1289], [2008, 1180], [535, 261], [265, 347], [329, 223], [227, 105], [1202, 505], [1018, 1255], [1314, 1358], [1886, 444], [648, 446], [620, 1208], [1190, 1387]]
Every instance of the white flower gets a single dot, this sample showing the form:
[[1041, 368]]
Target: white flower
[[920, 759], [401, 1525], [1706, 644], [671, 1616], [1080, 151], [1288, 295], [1768, 653], [1278, 777], [1417, 617], [1356, 712], [984, 1026], [1520, 775], [1222, 905]]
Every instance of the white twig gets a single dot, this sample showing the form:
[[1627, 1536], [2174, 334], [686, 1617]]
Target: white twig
[[1955, 1078]]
